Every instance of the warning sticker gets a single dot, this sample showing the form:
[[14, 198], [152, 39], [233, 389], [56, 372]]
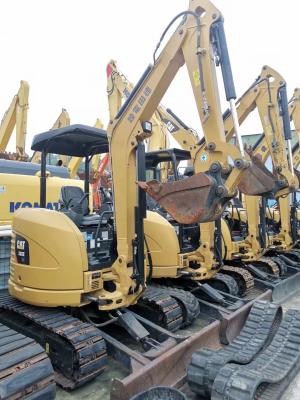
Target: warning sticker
[[2, 189]]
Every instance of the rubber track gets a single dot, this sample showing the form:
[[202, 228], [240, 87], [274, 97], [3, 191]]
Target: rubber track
[[281, 265], [25, 369], [258, 331], [188, 302], [164, 310], [269, 263], [228, 281], [240, 274], [76, 349], [270, 373]]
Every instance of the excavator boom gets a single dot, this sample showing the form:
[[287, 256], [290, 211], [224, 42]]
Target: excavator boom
[[15, 117], [209, 36]]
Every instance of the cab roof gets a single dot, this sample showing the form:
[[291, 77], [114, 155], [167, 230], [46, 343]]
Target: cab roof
[[153, 158], [73, 140]]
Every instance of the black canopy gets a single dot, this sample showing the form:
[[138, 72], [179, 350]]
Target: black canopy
[[73, 140], [153, 158]]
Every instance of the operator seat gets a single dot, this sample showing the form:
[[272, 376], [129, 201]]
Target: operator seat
[[74, 203], [189, 171]]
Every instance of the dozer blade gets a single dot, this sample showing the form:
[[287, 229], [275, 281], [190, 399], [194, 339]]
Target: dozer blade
[[190, 200], [257, 179], [286, 288], [169, 369]]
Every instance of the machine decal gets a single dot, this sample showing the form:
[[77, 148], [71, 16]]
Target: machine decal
[[170, 126], [22, 250], [2, 189], [141, 100], [15, 205]]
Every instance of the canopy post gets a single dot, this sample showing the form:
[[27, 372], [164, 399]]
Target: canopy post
[[43, 183]]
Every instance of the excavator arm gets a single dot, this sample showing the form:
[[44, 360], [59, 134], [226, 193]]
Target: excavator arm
[[118, 90], [16, 117], [164, 121], [194, 42], [268, 95]]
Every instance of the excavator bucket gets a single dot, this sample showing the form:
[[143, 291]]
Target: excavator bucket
[[190, 200], [257, 180]]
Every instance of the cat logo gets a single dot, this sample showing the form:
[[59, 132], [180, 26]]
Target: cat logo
[[20, 244]]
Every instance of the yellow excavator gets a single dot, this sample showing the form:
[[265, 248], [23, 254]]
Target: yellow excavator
[[173, 260], [283, 221], [263, 95], [267, 94], [95, 265], [15, 117]]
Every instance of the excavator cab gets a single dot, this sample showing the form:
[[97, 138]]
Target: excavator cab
[[171, 156], [71, 247]]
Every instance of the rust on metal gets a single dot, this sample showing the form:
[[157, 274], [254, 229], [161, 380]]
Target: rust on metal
[[188, 201], [170, 368], [256, 179], [200, 199]]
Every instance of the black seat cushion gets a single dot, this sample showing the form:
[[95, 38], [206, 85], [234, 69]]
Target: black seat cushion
[[72, 197], [74, 204]]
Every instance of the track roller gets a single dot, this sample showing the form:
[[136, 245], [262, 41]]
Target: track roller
[[257, 333], [270, 373], [160, 307], [25, 369], [225, 283], [243, 278], [188, 302]]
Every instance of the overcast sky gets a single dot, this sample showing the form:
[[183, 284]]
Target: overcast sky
[[61, 47]]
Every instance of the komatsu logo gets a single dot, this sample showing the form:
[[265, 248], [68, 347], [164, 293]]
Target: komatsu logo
[[13, 206]]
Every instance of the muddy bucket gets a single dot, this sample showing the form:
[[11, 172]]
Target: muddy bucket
[[159, 393], [256, 180], [192, 200]]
